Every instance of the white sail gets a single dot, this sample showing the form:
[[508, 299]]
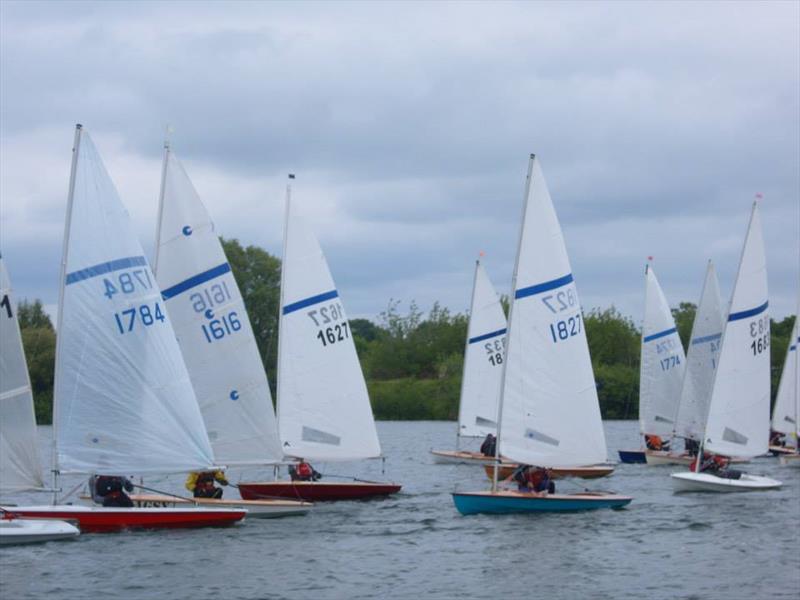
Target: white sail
[[212, 326], [701, 360], [20, 468], [549, 412], [662, 362], [483, 360], [323, 406], [787, 402], [123, 400], [738, 419]]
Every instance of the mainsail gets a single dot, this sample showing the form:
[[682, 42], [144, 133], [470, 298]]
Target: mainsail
[[324, 411], [20, 468], [787, 402], [662, 362], [212, 326], [701, 360], [738, 419], [483, 360], [124, 403], [549, 412]]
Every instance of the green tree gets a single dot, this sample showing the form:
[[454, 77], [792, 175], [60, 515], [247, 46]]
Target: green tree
[[780, 332], [258, 275], [39, 341], [684, 319]]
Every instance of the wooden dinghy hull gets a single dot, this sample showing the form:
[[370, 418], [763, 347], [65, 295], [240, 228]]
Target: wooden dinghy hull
[[100, 519], [632, 456], [779, 450], [15, 531], [460, 457], [317, 491], [256, 509], [705, 482], [511, 502], [790, 460], [588, 472], [658, 458]]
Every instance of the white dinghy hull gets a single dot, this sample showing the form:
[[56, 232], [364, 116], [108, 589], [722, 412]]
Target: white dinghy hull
[[33, 531], [705, 482], [790, 460]]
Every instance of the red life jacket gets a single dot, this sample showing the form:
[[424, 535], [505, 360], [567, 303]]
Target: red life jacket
[[304, 470]]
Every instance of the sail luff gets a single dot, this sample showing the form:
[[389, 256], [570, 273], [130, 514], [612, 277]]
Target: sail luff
[[461, 412], [784, 417]]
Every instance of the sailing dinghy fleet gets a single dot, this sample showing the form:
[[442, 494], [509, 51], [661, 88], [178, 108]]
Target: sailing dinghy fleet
[[158, 372]]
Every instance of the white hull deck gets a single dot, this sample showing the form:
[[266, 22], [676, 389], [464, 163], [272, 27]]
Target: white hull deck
[[16, 531], [256, 509], [705, 482], [658, 458]]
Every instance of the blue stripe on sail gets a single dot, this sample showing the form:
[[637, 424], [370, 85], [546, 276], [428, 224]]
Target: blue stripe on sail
[[792, 348], [290, 308], [486, 336], [706, 338], [104, 268], [195, 280], [660, 334], [746, 314], [543, 287]]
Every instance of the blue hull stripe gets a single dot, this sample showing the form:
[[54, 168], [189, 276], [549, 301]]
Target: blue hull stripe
[[104, 268], [660, 334], [746, 314], [706, 338], [543, 287], [290, 308], [486, 336], [195, 280]]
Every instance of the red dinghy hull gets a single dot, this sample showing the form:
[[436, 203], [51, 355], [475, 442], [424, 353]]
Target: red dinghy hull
[[316, 491], [97, 519]]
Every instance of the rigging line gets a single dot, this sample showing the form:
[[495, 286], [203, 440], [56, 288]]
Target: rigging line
[[348, 477], [149, 489]]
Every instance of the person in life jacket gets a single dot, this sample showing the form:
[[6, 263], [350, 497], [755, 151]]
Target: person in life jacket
[[691, 446], [654, 442], [109, 490], [489, 445], [533, 480], [201, 484], [304, 472]]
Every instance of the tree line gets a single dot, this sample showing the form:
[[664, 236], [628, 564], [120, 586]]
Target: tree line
[[412, 360]]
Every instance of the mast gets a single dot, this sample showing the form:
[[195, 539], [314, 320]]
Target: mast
[[466, 349], [161, 203], [289, 179], [510, 316], [59, 318]]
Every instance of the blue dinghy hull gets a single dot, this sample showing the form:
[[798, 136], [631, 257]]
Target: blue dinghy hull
[[632, 456], [510, 502]]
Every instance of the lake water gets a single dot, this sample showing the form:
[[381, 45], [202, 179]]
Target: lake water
[[416, 545]]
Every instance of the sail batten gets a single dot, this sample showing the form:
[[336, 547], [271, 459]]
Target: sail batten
[[123, 402], [212, 326]]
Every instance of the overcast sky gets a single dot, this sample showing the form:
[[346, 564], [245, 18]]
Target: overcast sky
[[409, 128]]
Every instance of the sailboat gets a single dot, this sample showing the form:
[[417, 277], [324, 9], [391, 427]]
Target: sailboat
[[738, 414], [483, 366], [123, 401], [215, 338], [548, 413], [786, 414], [20, 467], [661, 370], [323, 410]]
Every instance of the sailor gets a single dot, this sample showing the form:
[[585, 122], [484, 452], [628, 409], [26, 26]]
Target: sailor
[[304, 472], [691, 446], [201, 484], [534, 480], [109, 490], [654, 442], [489, 445]]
